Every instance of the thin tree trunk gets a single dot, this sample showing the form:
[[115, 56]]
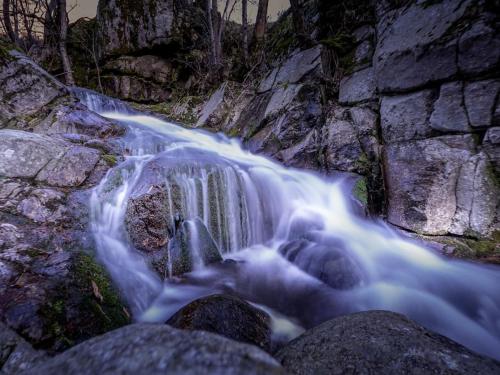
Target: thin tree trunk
[[63, 34], [244, 23], [7, 21], [298, 18], [261, 20], [208, 9]]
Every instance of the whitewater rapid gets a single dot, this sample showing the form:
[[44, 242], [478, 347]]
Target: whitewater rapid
[[275, 207]]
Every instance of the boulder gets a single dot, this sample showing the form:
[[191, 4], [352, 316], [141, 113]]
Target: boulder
[[192, 247], [135, 89], [25, 154], [15, 353], [227, 316], [25, 90], [481, 101], [449, 112], [379, 342], [149, 67], [293, 69], [406, 117], [430, 182], [71, 169], [331, 262], [147, 219], [160, 349], [213, 110], [358, 87]]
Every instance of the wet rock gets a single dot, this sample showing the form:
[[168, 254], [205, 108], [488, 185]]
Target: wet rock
[[406, 117], [449, 112], [358, 87], [192, 247], [379, 342], [147, 219], [331, 263], [213, 109], [226, 316], [16, 354], [77, 119], [159, 349]]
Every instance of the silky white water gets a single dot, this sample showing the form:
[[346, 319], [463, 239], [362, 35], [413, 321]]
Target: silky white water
[[281, 227]]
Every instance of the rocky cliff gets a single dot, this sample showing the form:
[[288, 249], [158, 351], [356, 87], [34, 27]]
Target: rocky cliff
[[417, 113]]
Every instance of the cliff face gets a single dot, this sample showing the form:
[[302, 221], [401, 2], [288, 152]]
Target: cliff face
[[417, 114], [146, 47]]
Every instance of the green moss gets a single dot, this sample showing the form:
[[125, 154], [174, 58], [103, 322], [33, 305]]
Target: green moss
[[110, 307], [360, 191], [5, 47], [110, 159]]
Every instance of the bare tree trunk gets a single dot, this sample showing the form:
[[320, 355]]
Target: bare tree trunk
[[7, 21], [261, 20], [244, 23], [208, 10], [298, 18], [63, 34]]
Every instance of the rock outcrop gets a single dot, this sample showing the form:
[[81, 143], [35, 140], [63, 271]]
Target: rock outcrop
[[227, 316], [160, 349], [145, 47], [52, 149], [379, 342], [416, 114]]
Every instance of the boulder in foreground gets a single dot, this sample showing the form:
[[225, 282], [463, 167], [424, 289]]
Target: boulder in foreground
[[379, 342], [227, 316], [160, 349]]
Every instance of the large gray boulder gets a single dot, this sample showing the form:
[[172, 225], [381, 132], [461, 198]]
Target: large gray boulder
[[439, 186], [379, 342], [227, 316], [160, 349], [358, 87]]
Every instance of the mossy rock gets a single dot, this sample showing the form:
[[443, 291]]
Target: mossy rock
[[360, 191], [84, 306]]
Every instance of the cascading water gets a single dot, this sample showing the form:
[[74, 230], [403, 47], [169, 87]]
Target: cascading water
[[299, 251]]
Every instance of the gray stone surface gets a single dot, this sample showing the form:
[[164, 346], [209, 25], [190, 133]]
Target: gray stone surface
[[153, 22], [25, 154], [438, 185], [160, 349], [449, 111], [379, 342], [406, 117], [15, 353], [415, 46], [479, 47], [147, 219], [481, 98], [210, 114], [227, 316], [70, 169], [298, 65], [358, 87]]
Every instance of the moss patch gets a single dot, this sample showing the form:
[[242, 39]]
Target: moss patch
[[110, 159], [360, 191]]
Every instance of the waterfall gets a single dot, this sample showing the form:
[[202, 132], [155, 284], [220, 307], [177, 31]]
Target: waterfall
[[291, 240]]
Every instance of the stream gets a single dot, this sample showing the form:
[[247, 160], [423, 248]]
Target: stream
[[293, 242]]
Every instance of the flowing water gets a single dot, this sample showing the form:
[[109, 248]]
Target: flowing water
[[292, 241]]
